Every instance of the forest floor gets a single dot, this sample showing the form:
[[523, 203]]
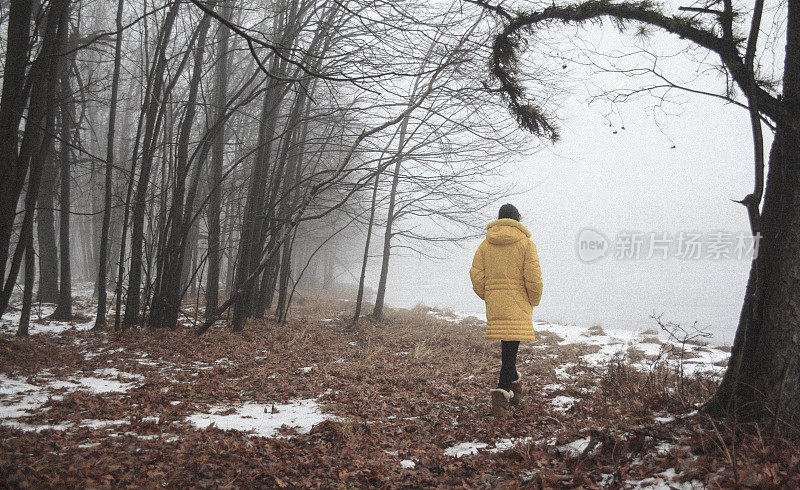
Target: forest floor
[[401, 402]]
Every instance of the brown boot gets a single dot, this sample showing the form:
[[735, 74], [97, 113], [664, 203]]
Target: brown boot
[[519, 390], [501, 401]]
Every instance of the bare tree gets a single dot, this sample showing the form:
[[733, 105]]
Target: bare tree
[[102, 266], [217, 153], [68, 126]]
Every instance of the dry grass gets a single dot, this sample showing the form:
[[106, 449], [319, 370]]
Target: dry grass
[[635, 355], [595, 329], [651, 340], [547, 337]]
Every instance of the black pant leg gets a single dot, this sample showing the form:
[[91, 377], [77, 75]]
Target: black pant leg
[[508, 369]]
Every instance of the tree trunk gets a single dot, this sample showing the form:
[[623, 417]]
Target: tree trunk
[[283, 280], [12, 105], [102, 265], [168, 292], [215, 200], [27, 293], [328, 278], [762, 382], [292, 199], [16, 163], [253, 216], [361, 279], [46, 233], [64, 309], [377, 312]]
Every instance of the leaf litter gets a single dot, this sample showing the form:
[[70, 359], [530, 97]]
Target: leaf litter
[[315, 403]]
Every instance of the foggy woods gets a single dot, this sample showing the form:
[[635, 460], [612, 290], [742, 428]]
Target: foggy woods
[[178, 143], [203, 205]]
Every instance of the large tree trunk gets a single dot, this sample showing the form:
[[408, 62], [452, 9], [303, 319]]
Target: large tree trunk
[[250, 248], [762, 383], [12, 104]]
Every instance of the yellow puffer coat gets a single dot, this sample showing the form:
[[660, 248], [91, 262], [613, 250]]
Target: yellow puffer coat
[[505, 273]]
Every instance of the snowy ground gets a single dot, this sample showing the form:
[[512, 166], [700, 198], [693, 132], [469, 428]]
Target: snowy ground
[[122, 391], [607, 344]]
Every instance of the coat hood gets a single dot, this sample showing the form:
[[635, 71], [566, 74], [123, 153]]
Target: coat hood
[[506, 231]]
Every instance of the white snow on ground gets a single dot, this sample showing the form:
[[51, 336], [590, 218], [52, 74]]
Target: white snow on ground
[[39, 323], [561, 371], [615, 342], [104, 381], [562, 403], [264, 420], [35, 427], [470, 448], [19, 398], [663, 481], [575, 448], [408, 464], [464, 449], [506, 444]]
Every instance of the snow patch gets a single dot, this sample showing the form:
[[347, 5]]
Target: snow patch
[[19, 398], [464, 449], [506, 444], [264, 420], [39, 323], [563, 403], [575, 448]]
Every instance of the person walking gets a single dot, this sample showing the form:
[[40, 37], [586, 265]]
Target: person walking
[[505, 274]]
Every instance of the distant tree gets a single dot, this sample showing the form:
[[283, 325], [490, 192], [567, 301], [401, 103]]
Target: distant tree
[[221, 73], [102, 266]]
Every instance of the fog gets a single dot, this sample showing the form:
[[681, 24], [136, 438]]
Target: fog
[[631, 181]]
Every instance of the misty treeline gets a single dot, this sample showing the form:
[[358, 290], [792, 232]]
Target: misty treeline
[[217, 153]]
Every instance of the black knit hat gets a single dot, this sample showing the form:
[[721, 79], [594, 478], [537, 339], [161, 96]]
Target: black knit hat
[[508, 211]]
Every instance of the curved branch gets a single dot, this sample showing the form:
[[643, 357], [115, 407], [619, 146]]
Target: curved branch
[[532, 118]]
